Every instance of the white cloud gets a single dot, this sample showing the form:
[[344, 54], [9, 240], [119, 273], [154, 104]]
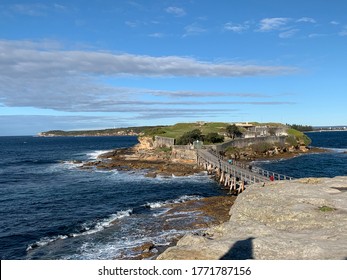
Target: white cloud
[[237, 28], [28, 59], [288, 34], [333, 22], [42, 75], [270, 24], [306, 19], [193, 29], [176, 11]]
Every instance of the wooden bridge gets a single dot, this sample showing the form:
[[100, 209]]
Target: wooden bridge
[[235, 175]]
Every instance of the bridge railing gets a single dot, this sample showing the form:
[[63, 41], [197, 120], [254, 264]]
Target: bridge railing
[[250, 168]]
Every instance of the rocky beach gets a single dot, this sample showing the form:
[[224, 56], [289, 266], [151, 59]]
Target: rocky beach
[[299, 219]]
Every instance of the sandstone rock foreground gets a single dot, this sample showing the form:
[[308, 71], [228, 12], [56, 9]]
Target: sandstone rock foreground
[[300, 219]]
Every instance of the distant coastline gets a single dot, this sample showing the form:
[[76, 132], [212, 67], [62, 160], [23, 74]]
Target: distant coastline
[[141, 130], [327, 130]]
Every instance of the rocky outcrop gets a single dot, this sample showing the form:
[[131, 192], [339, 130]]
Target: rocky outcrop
[[300, 219], [145, 156], [145, 143]]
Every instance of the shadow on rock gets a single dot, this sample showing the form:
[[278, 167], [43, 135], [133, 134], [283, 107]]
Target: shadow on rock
[[241, 250]]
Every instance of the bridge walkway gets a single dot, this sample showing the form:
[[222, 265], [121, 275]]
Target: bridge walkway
[[250, 174]]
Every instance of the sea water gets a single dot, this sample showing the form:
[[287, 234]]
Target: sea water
[[52, 209], [329, 164]]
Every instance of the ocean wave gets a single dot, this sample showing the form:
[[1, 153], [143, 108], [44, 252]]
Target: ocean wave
[[124, 248], [86, 229], [70, 164], [337, 150], [95, 154], [45, 241], [181, 199]]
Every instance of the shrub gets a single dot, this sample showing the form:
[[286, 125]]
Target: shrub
[[291, 140], [326, 208], [214, 137], [232, 152], [233, 131], [262, 147], [272, 131], [189, 137]]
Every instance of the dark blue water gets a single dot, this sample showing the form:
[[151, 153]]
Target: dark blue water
[[330, 164], [51, 209]]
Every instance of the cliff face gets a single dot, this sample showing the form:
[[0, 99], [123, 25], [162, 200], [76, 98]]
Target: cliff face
[[145, 143], [300, 219]]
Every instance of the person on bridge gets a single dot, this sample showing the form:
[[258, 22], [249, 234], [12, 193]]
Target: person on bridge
[[272, 178]]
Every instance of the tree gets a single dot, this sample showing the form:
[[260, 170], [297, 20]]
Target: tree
[[233, 131], [214, 137], [189, 137], [300, 127]]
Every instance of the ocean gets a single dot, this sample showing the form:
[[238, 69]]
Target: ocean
[[330, 164], [52, 209]]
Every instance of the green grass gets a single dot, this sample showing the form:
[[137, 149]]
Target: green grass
[[326, 208], [177, 130], [300, 136]]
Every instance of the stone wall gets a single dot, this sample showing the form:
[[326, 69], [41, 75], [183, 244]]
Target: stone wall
[[184, 153], [244, 142], [160, 142], [260, 131]]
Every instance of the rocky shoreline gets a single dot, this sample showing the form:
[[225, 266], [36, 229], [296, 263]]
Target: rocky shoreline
[[160, 161], [144, 156], [285, 220], [210, 211], [272, 228]]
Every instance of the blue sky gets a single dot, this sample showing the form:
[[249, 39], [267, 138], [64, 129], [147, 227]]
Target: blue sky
[[101, 63]]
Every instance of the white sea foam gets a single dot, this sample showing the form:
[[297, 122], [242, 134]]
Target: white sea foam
[[45, 241], [181, 199], [86, 229], [120, 248], [338, 150], [71, 164], [95, 154], [104, 223]]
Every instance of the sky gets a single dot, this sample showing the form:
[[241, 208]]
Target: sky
[[98, 64]]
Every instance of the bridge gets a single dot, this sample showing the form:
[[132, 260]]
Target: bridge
[[235, 175]]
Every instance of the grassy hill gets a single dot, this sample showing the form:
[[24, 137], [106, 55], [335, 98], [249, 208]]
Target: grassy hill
[[174, 131], [177, 130]]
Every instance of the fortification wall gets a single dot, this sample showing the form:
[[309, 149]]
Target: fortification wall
[[244, 142], [184, 153], [160, 141]]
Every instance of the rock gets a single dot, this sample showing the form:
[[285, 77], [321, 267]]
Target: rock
[[299, 219], [303, 149], [146, 143], [146, 247], [151, 175]]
